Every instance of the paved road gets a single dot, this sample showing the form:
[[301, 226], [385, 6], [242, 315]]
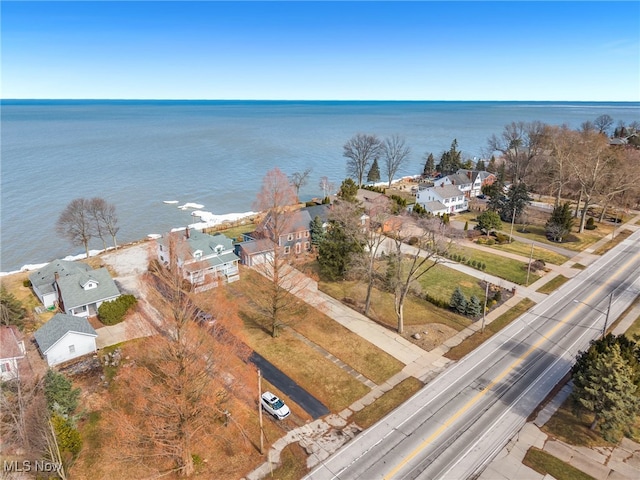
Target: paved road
[[295, 392], [455, 425]]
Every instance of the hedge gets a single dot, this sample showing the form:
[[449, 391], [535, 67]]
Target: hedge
[[113, 312]]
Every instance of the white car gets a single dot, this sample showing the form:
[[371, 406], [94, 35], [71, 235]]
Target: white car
[[275, 406]]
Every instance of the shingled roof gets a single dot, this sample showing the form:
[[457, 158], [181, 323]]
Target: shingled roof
[[60, 325]]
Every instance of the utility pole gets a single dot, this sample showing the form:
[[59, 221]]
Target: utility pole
[[529, 267], [260, 412], [484, 311], [513, 219], [606, 319]]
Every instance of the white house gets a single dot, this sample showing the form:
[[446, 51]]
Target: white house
[[12, 351], [479, 178], [205, 260], [433, 199], [74, 287], [65, 337]]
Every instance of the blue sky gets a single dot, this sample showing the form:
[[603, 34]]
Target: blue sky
[[322, 50]]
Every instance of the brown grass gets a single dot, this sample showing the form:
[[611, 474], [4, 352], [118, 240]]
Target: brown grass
[[387, 402], [553, 284], [619, 238], [478, 338], [546, 464]]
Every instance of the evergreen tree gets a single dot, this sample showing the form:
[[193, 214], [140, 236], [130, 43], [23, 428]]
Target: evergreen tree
[[480, 166], [474, 308], [317, 231], [451, 160], [429, 166], [458, 301], [335, 251], [489, 221], [60, 394], [11, 310], [516, 200], [348, 190], [605, 388], [560, 223], [374, 172]]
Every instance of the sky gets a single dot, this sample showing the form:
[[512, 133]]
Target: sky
[[508, 50]]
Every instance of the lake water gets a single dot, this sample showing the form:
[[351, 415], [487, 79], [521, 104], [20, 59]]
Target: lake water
[[137, 154]]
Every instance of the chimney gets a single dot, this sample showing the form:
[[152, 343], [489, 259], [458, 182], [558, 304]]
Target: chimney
[[187, 234], [56, 276], [442, 185], [469, 174]]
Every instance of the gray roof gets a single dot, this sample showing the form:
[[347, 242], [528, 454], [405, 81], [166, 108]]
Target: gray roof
[[459, 179], [321, 211], [73, 294], [253, 247], [448, 191], [299, 221], [43, 278], [58, 327], [435, 206], [208, 243]]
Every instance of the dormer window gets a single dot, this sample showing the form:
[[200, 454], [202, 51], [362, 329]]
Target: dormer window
[[197, 254], [218, 249], [89, 285]]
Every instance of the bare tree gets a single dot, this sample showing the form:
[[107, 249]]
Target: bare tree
[[603, 123], [360, 151], [591, 168], [562, 145], [299, 180], [326, 186], [106, 214], [395, 154], [519, 143], [278, 304], [434, 239], [623, 177], [174, 396], [75, 223]]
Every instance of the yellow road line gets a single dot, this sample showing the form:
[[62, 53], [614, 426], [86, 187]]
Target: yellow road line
[[503, 374]]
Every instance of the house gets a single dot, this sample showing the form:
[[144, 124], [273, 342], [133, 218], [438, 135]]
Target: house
[[65, 337], [470, 182], [433, 199], [479, 178], [207, 261], [295, 237], [74, 287], [11, 352]]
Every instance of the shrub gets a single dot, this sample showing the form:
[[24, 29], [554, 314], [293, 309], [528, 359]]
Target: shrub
[[458, 301], [491, 241], [466, 225], [474, 263], [537, 265], [501, 238], [113, 312], [473, 306], [68, 437], [591, 224], [498, 296], [26, 283], [413, 241], [60, 395]]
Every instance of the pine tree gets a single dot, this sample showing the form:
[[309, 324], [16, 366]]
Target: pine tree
[[11, 310], [429, 166], [605, 388], [374, 172], [348, 190], [560, 223], [474, 308], [517, 199], [480, 166], [451, 160], [458, 301], [317, 231], [335, 251], [491, 167]]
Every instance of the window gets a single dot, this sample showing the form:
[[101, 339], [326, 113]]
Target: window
[[72, 349], [298, 247], [306, 234], [287, 249], [290, 237], [299, 235], [5, 367], [307, 245]]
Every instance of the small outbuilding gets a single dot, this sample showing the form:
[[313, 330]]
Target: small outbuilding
[[65, 337]]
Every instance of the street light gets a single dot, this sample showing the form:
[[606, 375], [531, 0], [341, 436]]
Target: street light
[[484, 312], [606, 318], [513, 219]]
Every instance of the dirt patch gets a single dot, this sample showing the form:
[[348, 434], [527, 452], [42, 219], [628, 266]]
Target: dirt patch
[[431, 335]]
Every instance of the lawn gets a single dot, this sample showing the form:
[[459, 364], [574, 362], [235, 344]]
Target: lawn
[[387, 402], [577, 241], [416, 310], [553, 284], [512, 270], [235, 232], [441, 281], [634, 329], [478, 338], [539, 253], [565, 426], [619, 238], [545, 463]]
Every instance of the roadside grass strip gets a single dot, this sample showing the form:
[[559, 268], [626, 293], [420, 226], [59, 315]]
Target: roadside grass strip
[[553, 284], [546, 464]]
